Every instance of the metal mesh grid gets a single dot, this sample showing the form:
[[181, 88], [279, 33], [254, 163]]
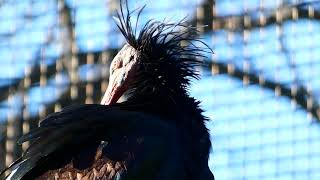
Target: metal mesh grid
[[261, 87]]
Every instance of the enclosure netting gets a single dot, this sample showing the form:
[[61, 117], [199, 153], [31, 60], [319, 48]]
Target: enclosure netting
[[261, 87]]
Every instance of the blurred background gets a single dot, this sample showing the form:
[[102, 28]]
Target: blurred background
[[261, 88]]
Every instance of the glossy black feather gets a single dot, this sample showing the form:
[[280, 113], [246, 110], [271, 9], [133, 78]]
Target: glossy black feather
[[75, 125]]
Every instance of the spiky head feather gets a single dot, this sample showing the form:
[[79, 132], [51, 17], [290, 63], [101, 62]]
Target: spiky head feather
[[168, 53]]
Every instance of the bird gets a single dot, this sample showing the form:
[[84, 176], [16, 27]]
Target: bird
[[157, 132]]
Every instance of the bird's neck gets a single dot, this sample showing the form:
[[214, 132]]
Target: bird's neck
[[179, 108], [163, 101], [156, 92]]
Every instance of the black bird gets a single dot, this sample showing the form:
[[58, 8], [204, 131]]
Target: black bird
[[157, 133]]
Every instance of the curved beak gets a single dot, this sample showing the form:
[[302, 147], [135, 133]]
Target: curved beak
[[116, 88]]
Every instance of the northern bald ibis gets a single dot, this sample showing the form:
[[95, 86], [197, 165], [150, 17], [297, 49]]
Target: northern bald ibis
[[159, 132]]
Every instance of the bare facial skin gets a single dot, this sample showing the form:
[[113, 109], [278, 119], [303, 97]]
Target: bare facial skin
[[122, 70]]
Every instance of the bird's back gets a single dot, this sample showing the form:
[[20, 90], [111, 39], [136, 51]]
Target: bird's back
[[101, 142]]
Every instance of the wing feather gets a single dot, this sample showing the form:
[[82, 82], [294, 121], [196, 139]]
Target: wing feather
[[78, 124]]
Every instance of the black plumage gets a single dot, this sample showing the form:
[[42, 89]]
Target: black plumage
[[157, 133]]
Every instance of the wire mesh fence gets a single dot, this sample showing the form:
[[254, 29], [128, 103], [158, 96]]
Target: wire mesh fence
[[261, 88]]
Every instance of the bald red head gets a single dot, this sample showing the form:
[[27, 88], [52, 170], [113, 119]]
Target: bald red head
[[122, 71]]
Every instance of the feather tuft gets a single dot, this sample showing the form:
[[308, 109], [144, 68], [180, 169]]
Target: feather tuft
[[169, 51]]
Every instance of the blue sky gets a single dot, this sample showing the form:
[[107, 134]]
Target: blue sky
[[256, 134]]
